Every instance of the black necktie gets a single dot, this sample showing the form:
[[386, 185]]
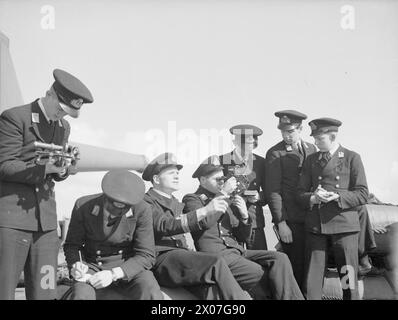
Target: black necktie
[[324, 159], [112, 220]]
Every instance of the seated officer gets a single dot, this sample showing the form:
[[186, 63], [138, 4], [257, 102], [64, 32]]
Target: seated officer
[[204, 274], [243, 162], [219, 234], [110, 242]]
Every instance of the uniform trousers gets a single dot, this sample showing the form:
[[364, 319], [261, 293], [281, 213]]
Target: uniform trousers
[[366, 238], [295, 250], [269, 269], [35, 253], [257, 240], [142, 286], [345, 251], [194, 270]]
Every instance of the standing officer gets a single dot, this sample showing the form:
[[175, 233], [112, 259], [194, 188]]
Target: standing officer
[[221, 233], [205, 275], [110, 242], [283, 164], [28, 220], [331, 185], [243, 162]]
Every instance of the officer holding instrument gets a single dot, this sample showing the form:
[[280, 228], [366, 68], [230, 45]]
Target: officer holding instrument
[[249, 168], [205, 275], [28, 220], [221, 233]]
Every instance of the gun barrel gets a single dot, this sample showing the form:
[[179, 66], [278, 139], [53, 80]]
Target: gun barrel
[[48, 146]]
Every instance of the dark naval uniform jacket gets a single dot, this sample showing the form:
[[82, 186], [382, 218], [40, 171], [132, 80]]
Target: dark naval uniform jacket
[[129, 245], [219, 231], [27, 199], [282, 168], [169, 221], [256, 176], [343, 174]]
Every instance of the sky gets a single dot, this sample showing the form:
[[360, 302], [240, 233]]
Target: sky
[[175, 75]]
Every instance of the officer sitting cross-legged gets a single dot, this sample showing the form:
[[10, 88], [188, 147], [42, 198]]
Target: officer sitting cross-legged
[[109, 246], [206, 275], [220, 233]]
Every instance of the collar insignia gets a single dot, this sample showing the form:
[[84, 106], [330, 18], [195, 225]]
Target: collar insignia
[[129, 213], [95, 211], [35, 117]]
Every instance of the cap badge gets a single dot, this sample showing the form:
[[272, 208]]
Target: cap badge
[[167, 158], [35, 118], [203, 197], [313, 126], [289, 147], [214, 160], [285, 119], [341, 154], [76, 103]]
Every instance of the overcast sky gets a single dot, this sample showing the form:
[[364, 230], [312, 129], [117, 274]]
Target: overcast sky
[[179, 68]]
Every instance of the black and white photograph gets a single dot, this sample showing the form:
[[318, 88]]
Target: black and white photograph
[[213, 151]]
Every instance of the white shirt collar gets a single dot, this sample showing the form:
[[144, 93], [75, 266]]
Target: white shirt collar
[[333, 150], [299, 144], [240, 158], [296, 146], [43, 110], [164, 194]]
